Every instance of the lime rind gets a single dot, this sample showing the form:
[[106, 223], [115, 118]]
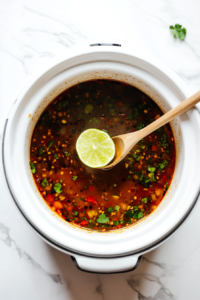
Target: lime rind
[[95, 148]]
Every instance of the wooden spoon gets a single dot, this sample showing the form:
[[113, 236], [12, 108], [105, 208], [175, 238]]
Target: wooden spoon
[[125, 142]]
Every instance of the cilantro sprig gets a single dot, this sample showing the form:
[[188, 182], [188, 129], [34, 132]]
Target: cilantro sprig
[[102, 219], [178, 31]]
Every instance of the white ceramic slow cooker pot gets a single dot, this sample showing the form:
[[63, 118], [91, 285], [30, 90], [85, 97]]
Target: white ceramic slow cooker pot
[[118, 250]]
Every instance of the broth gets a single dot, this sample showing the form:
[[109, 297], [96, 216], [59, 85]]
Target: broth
[[97, 199]]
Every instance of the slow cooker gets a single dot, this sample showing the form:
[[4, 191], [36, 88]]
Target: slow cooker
[[119, 250]]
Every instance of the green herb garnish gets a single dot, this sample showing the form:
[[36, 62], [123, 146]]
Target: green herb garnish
[[75, 213], [57, 188], [102, 219], [163, 141], [163, 164], [41, 150], [140, 215], [67, 154], [140, 126], [33, 169], [136, 156], [117, 207], [74, 177], [144, 200], [51, 143], [44, 182], [178, 32], [56, 156], [110, 209]]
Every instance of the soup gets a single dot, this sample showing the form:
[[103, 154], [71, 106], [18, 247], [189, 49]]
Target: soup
[[91, 198]]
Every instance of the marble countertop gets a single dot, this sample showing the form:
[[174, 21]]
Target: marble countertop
[[33, 32]]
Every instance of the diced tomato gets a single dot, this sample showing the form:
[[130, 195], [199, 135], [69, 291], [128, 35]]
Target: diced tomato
[[50, 198], [92, 188], [69, 208], [154, 148], [91, 199], [84, 223]]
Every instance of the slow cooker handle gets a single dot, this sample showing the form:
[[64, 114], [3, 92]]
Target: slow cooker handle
[[106, 265], [108, 45]]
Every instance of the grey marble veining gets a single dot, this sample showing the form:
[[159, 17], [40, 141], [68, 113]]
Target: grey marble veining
[[31, 34]]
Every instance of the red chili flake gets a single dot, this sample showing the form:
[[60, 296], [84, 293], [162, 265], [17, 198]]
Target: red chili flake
[[84, 223], [154, 148], [50, 198], [91, 199], [92, 188], [120, 103]]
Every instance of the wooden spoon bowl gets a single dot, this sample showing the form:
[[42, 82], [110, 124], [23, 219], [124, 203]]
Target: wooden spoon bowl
[[125, 142]]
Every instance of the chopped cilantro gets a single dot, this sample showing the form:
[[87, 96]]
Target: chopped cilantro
[[74, 177], [136, 156], [144, 200], [102, 219], [83, 199], [140, 126], [151, 169], [85, 187], [114, 185], [117, 207], [44, 182], [56, 156], [116, 222], [67, 154], [110, 209], [163, 141], [75, 213], [57, 188], [152, 177], [106, 199], [51, 143], [41, 150], [163, 164], [178, 32], [140, 215], [33, 169]]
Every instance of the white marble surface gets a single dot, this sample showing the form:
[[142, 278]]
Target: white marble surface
[[32, 32]]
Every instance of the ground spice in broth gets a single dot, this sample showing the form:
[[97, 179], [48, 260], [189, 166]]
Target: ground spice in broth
[[96, 199]]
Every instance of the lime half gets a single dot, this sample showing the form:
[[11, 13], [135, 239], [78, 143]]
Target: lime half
[[95, 148]]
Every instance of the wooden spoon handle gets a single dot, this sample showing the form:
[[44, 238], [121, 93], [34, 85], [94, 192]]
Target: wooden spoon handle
[[170, 115]]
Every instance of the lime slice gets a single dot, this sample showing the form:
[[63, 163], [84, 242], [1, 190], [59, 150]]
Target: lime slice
[[95, 148]]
